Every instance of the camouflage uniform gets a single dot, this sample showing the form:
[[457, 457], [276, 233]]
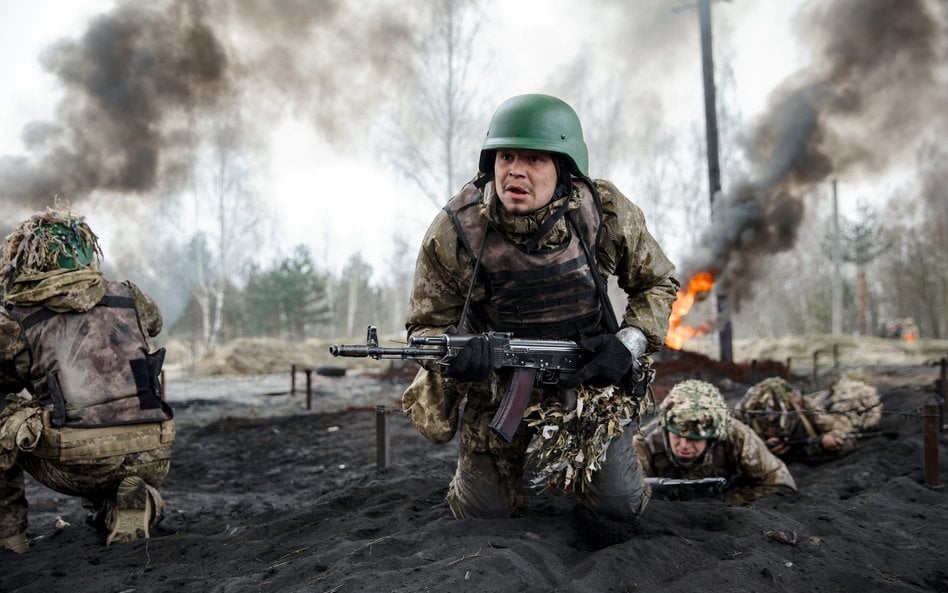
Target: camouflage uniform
[[91, 456], [854, 398], [695, 409], [777, 412], [489, 473]]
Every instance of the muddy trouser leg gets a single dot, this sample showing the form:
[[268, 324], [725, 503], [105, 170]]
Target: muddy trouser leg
[[486, 483], [617, 490], [13, 505], [477, 490]]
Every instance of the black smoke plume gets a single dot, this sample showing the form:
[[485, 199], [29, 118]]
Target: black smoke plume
[[143, 77], [876, 89]]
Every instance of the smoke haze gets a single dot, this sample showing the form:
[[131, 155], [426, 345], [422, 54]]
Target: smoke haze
[[142, 76], [874, 91]]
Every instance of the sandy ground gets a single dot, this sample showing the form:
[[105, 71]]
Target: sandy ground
[[266, 495]]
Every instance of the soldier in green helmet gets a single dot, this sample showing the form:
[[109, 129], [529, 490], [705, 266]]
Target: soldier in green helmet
[[526, 248], [85, 416], [693, 437]]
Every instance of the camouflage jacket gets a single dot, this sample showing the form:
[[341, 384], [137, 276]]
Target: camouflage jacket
[[625, 250], [742, 458], [62, 291], [803, 429]]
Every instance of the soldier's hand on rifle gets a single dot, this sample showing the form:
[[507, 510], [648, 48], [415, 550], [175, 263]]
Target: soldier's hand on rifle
[[610, 362], [473, 362], [777, 446], [832, 441]]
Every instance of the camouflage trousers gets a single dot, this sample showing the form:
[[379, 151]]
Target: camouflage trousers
[[96, 481], [88, 463], [489, 474]]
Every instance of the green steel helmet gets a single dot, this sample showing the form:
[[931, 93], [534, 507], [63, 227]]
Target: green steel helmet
[[53, 240], [536, 122], [768, 406], [695, 410]]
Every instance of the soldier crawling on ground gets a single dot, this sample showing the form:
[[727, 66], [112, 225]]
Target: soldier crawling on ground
[[794, 426], [694, 437]]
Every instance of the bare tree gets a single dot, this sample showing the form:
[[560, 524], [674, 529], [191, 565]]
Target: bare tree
[[912, 277], [232, 220], [401, 267], [433, 131]]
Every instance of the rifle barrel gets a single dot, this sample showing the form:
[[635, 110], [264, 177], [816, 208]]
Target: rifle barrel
[[364, 351]]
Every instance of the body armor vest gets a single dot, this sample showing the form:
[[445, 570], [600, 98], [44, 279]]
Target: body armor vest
[[714, 464], [93, 369], [549, 292]]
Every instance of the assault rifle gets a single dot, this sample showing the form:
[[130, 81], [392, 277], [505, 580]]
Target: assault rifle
[[855, 436], [679, 489], [535, 362]]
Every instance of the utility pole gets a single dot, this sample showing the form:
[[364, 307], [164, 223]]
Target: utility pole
[[837, 282], [725, 330]]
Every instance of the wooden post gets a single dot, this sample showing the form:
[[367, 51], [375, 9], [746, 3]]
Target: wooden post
[[382, 438], [789, 368], [930, 439], [292, 379], [944, 393], [309, 389], [754, 371], [835, 356], [816, 369]]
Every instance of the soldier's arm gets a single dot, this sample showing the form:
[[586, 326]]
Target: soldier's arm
[[628, 250], [832, 428], [644, 455], [442, 273], [148, 311], [762, 473], [14, 358]]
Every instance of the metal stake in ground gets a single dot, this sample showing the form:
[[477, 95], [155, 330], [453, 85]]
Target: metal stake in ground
[[382, 438]]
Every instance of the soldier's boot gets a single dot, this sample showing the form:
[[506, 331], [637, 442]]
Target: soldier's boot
[[133, 513], [15, 543]]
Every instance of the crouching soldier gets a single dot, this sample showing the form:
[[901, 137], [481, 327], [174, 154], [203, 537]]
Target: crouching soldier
[[94, 424], [694, 437]]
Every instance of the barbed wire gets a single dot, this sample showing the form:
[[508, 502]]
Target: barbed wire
[[916, 412]]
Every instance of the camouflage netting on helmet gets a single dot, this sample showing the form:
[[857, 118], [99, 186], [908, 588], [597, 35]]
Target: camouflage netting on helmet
[[48, 241], [571, 445], [770, 394], [769, 403], [858, 400], [694, 409]]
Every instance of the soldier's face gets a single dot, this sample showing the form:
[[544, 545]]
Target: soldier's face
[[525, 179], [686, 449]]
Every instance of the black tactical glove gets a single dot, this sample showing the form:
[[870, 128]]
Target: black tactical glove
[[611, 361], [473, 362]]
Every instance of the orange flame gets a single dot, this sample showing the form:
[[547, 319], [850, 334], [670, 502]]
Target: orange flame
[[698, 287]]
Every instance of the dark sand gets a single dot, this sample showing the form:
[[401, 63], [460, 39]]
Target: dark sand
[[271, 497]]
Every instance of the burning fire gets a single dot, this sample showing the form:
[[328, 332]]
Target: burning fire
[[698, 287]]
